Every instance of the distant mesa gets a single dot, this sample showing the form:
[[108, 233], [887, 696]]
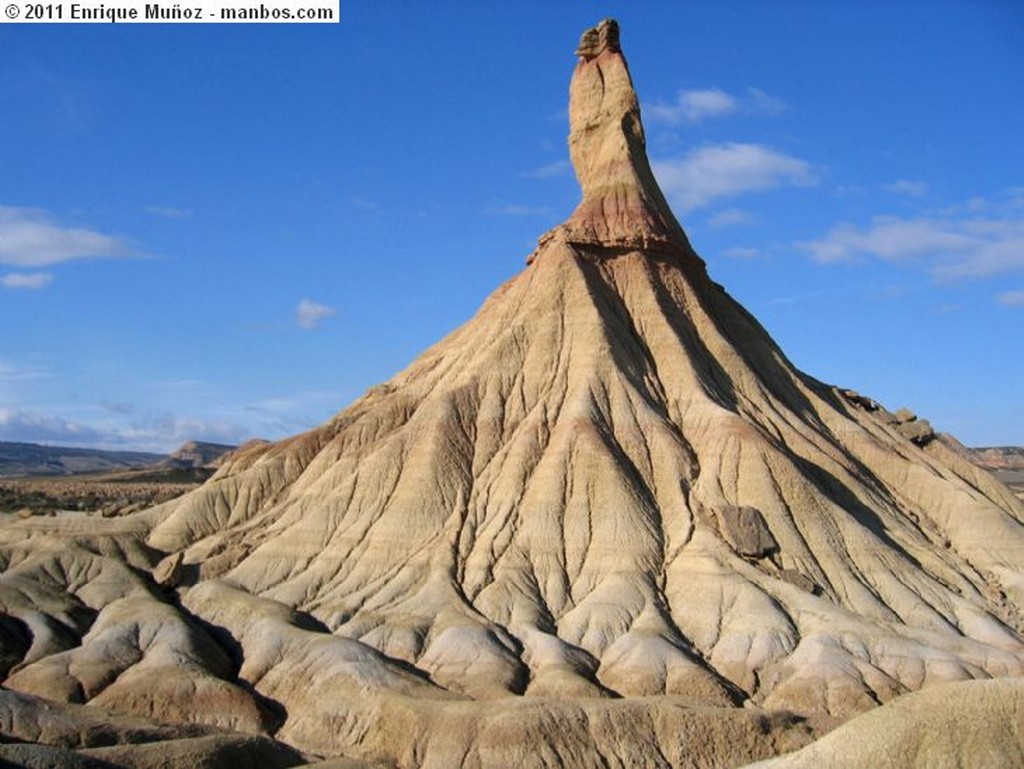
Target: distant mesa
[[199, 454]]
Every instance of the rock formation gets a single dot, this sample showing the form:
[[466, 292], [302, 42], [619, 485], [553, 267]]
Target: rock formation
[[622, 205], [199, 454], [590, 523]]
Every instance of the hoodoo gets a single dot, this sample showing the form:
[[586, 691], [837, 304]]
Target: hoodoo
[[622, 205], [605, 517]]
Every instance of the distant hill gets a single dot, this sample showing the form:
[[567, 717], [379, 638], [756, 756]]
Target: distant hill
[[19, 460], [30, 459], [1005, 462], [199, 454], [999, 457]]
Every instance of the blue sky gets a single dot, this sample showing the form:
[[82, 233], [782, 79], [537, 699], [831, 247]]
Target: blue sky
[[222, 232]]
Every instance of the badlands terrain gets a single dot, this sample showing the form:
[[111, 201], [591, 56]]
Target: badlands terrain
[[604, 523]]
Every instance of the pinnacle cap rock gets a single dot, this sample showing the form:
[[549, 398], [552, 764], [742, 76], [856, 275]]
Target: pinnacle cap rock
[[597, 40], [622, 205]]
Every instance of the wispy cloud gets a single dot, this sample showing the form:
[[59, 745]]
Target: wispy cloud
[[309, 314], [26, 280], [284, 415], [167, 212], [731, 217], [1011, 298], [953, 246], [550, 170], [890, 238], [18, 425], [12, 372], [718, 171], [693, 107], [914, 189], [118, 407], [515, 209], [153, 433], [759, 101], [696, 106], [740, 252], [158, 433], [30, 238]]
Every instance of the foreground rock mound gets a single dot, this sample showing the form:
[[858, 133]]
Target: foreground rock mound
[[592, 522], [975, 723], [37, 733]]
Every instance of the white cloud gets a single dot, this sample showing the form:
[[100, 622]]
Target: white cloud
[[308, 314], [168, 212], [889, 238], [693, 107], [163, 433], [950, 247], [18, 425], [29, 280], [709, 173], [28, 238], [557, 168], [731, 217], [157, 434], [1011, 298], [699, 105], [914, 189]]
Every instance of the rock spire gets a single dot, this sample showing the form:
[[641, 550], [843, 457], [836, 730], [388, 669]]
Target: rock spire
[[622, 205]]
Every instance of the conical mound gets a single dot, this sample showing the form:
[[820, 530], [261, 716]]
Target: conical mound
[[610, 482]]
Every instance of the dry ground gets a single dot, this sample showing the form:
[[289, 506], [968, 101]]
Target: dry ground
[[107, 493]]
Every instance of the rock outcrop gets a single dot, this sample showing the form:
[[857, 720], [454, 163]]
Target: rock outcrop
[[199, 454], [594, 521], [744, 529]]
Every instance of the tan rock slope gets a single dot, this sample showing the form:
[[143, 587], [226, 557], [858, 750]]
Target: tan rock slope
[[578, 531], [979, 724]]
